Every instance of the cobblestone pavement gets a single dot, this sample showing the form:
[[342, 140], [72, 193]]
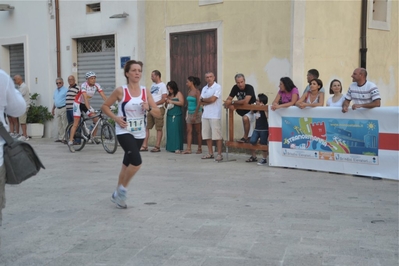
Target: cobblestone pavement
[[186, 211]]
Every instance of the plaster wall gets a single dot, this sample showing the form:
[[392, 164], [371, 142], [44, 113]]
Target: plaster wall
[[332, 43], [129, 32], [253, 38]]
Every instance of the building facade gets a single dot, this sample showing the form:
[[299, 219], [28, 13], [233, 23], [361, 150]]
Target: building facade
[[265, 40]]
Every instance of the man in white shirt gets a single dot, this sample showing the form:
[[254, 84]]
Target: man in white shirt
[[13, 104], [211, 117], [364, 93], [24, 90], [159, 93]]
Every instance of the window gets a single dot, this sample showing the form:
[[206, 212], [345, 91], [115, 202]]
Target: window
[[380, 14], [209, 2], [93, 8]]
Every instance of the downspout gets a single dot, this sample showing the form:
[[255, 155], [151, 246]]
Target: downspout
[[363, 35], [57, 34]]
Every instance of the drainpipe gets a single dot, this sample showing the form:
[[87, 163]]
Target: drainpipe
[[363, 35], [57, 34]]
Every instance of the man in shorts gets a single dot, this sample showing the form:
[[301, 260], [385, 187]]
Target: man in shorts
[[159, 93], [245, 94], [24, 90], [212, 116]]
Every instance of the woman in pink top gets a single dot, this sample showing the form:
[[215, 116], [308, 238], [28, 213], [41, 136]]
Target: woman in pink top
[[287, 95]]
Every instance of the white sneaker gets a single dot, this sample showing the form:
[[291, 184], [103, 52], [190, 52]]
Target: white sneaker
[[16, 136], [70, 146], [23, 138]]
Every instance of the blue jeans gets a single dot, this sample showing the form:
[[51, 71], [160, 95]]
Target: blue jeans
[[70, 116], [262, 135]]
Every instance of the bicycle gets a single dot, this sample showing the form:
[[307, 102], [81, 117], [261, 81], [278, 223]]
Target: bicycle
[[83, 134]]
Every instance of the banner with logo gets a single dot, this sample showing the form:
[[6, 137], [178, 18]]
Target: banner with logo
[[362, 142]]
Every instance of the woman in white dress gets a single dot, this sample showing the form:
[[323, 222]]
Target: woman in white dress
[[338, 98]]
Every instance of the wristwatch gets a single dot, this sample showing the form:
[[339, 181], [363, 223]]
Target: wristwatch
[[149, 109]]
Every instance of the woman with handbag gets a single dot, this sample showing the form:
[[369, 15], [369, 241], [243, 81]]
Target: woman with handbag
[[174, 122]]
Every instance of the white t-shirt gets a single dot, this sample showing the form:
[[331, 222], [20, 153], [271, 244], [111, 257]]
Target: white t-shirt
[[157, 91], [11, 102], [364, 94], [213, 110], [338, 103], [24, 90]]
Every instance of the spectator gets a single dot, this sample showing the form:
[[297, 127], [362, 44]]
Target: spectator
[[73, 89], [312, 74], [59, 109], [212, 116], [261, 131], [194, 113], [159, 93], [364, 93], [15, 104], [313, 97], [14, 127], [24, 90], [287, 96], [245, 94], [174, 123], [338, 98]]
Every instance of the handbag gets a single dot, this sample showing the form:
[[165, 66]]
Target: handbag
[[20, 159]]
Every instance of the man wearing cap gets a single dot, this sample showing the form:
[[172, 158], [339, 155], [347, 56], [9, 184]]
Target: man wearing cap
[[82, 104], [59, 109]]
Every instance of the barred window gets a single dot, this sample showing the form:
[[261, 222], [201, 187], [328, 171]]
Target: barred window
[[93, 45]]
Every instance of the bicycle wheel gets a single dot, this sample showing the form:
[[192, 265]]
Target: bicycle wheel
[[79, 142], [108, 138]]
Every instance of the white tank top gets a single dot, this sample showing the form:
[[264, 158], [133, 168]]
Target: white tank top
[[131, 108]]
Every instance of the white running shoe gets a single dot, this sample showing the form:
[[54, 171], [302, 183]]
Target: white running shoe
[[119, 197], [70, 146]]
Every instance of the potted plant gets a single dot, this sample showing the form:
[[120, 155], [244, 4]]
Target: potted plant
[[36, 117]]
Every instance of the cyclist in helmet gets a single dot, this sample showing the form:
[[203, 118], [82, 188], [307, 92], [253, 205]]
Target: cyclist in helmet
[[82, 104]]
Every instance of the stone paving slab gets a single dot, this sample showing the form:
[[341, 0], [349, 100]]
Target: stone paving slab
[[186, 211]]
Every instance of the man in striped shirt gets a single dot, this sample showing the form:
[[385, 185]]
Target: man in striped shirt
[[70, 97], [364, 93]]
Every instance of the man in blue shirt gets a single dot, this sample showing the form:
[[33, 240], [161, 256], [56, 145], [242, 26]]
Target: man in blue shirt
[[59, 109]]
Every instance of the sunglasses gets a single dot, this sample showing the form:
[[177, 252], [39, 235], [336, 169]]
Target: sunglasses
[[58, 83]]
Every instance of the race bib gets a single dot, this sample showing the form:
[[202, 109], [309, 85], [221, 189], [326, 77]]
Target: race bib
[[135, 124]]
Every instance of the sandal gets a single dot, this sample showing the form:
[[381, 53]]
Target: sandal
[[242, 140], [219, 158], [156, 149], [208, 156], [252, 159], [143, 148], [199, 151], [178, 152], [186, 152]]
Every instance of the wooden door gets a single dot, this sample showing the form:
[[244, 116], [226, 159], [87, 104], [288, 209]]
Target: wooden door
[[192, 54]]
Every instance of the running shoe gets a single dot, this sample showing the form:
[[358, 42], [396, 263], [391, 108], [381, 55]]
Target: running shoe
[[119, 199], [70, 146]]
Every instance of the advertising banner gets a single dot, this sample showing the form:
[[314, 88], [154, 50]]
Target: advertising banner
[[363, 142]]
